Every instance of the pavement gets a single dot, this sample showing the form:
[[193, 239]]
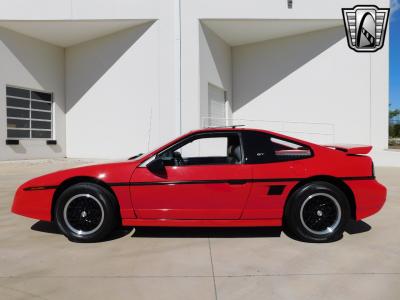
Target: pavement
[[37, 262]]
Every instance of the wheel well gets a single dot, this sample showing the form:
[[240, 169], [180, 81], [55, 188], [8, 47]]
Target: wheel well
[[81, 179], [332, 180]]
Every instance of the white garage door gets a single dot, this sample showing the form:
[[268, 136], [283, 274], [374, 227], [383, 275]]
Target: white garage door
[[216, 106]]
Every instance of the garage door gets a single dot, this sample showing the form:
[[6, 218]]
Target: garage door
[[216, 106]]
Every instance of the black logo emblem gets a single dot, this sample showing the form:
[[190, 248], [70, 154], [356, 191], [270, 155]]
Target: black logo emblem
[[365, 27]]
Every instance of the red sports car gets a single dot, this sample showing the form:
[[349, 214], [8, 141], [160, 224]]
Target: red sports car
[[213, 177]]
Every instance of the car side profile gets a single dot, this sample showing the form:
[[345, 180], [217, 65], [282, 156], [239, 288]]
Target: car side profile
[[214, 177]]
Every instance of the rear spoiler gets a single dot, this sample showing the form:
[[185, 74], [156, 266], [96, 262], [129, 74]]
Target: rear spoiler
[[351, 149]]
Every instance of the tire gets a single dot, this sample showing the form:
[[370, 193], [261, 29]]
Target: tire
[[317, 212], [86, 212]]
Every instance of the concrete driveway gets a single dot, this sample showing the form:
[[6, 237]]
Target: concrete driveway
[[36, 262]]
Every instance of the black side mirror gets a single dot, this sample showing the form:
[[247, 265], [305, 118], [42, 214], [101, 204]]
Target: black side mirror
[[157, 167]]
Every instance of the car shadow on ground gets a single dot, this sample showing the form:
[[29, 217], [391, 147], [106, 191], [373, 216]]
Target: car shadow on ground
[[49, 227], [206, 232], [353, 227]]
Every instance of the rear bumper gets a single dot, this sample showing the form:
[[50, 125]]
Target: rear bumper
[[370, 196]]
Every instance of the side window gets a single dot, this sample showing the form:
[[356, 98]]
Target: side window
[[287, 150], [205, 150], [206, 147], [262, 148], [257, 147]]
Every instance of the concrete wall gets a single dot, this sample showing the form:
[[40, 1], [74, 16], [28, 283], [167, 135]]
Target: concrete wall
[[30, 63], [215, 67], [309, 78], [315, 87], [112, 94], [194, 10], [159, 74], [122, 89], [164, 34], [310, 86]]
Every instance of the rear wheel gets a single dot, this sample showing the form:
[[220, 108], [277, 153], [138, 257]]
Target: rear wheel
[[317, 212], [86, 212]]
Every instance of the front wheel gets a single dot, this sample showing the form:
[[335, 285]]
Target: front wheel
[[86, 212], [317, 212]]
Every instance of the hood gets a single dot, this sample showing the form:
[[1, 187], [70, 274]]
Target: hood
[[107, 172]]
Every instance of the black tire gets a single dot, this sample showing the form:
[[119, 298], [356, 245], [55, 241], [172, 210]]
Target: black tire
[[86, 212], [317, 212]]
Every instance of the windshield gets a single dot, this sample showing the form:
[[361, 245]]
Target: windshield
[[137, 156]]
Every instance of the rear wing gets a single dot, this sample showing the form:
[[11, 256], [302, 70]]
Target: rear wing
[[351, 149]]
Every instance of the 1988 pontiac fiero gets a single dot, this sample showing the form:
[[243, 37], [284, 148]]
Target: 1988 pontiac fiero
[[213, 177]]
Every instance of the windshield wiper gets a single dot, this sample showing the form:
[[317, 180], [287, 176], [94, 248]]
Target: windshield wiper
[[136, 156]]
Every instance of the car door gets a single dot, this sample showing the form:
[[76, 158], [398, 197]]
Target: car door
[[277, 166], [203, 177]]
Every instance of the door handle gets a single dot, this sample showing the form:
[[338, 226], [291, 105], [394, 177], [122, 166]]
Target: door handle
[[237, 181]]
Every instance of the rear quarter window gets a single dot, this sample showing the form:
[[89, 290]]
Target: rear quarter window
[[263, 148], [287, 150]]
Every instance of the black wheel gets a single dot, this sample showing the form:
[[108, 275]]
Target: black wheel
[[86, 212], [317, 212]]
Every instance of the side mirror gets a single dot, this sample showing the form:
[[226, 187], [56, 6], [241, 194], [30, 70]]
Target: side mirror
[[157, 167]]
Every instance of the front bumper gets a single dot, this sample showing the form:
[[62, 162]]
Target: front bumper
[[34, 204], [370, 196]]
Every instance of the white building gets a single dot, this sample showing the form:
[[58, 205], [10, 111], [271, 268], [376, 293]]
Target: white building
[[124, 76]]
